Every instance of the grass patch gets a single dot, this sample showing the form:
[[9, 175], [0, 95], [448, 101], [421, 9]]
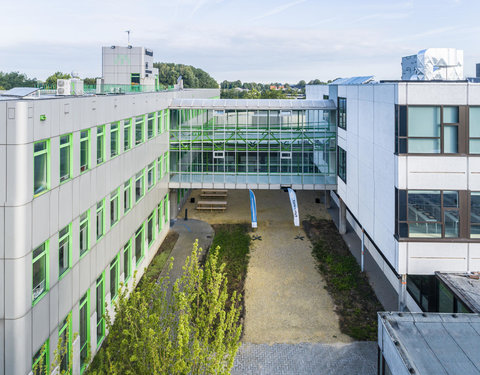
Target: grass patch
[[356, 303], [234, 241]]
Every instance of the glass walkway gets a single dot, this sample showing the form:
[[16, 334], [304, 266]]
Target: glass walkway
[[260, 144]]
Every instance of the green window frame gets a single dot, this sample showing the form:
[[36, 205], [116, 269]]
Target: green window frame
[[127, 196], [66, 157], [41, 360], [84, 330], [165, 209], [84, 150], [40, 272], [139, 129], [41, 167], [100, 308], [127, 134], [165, 164], [159, 216], [84, 233], [100, 144], [114, 204], [64, 250], [166, 120], [114, 139], [114, 277], [151, 175], [127, 260], [100, 219], [139, 185], [139, 244], [159, 168], [151, 125], [159, 122], [65, 335], [151, 229]]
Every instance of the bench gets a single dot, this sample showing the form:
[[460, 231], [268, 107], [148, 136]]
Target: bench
[[213, 193], [211, 205]]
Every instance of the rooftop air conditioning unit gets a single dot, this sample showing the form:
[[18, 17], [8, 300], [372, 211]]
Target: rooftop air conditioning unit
[[72, 86], [63, 87]]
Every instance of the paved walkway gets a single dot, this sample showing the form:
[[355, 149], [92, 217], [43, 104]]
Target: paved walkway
[[358, 358]]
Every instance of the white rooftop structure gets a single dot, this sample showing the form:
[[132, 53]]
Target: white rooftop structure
[[445, 64]]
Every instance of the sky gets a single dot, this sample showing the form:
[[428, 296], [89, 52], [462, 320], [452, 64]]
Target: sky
[[250, 40]]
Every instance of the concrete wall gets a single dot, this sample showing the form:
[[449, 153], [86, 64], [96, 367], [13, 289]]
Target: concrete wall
[[26, 222]]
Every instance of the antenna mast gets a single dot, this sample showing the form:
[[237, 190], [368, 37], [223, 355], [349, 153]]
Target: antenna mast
[[128, 37]]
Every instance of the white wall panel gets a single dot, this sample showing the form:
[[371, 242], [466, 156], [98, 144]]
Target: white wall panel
[[426, 258], [435, 93], [18, 231], [437, 172]]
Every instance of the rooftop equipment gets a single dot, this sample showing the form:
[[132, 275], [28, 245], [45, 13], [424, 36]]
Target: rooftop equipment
[[444, 64]]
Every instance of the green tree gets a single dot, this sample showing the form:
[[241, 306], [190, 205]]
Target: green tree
[[273, 94], [168, 74], [15, 79], [51, 82], [90, 81], [184, 329]]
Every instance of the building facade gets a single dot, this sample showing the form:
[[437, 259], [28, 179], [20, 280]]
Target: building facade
[[84, 202]]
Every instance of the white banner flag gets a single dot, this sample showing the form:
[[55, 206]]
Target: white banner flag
[[293, 201]]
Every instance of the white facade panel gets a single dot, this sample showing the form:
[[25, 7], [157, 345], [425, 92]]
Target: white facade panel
[[18, 231], [473, 257], [428, 257], [448, 93]]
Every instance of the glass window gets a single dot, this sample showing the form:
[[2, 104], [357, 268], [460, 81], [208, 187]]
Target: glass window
[[65, 336], [474, 129], [151, 229], [165, 209], [139, 185], [100, 308], [342, 164], [100, 219], [151, 175], [41, 167], [475, 214], [159, 122], [127, 134], [127, 196], [450, 115], [40, 361], [424, 125], [84, 150], [159, 168], [151, 125], [342, 113], [114, 278], [166, 120], [64, 247], [40, 275], [424, 213], [114, 140], [160, 216], [65, 157], [100, 144], [139, 245], [84, 330], [127, 260], [165, 163], [114, 207], [139, 120], [84, 235]]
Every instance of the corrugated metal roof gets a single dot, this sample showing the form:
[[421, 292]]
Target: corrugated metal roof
[[465, 287], [252, 104], [433, 343], [362, 80]]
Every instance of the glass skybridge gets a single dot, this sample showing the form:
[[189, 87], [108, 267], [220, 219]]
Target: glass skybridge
[[259, 144]]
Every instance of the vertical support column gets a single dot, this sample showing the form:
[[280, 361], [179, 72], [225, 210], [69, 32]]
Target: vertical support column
[[342, 217], [402, 293], [328, 201], [173, 194], [362, 252]]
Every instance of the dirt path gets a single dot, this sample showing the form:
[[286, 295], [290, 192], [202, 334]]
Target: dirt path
[[285, 297]]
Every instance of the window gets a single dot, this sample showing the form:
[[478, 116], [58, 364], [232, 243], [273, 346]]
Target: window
[[160, 216], [159, 168], [127, 134], [127, 196], [114, 277], [100, 219], [151, 175], [165, 163], [84, 150], [139, 245], [40, 361], [151, 125], [342, 164], [165, 209], [474, 130], [114, 207], [151, 229], [100, 307], [64, 248], [139, 185], [166, 120], [475, 215], [65, 157], [342, 113], [127, 260], [65, 337], [160, 122], [100, 144], [41, 167], [83, 234], [114, 140], [429, 214], [84, 330], [40, 263], [139, 129]]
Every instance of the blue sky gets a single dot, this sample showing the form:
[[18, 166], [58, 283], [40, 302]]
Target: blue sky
[[263, 40]]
